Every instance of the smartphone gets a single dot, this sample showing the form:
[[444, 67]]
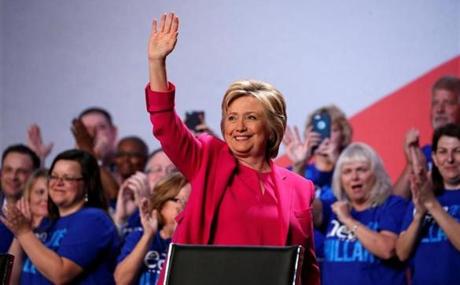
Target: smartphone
[[322, 124], [193, 119]]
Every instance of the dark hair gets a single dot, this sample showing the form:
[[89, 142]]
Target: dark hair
[[449, 83], [140, 142], [91, 179], [449, 130], [98, 110], [22, 149]]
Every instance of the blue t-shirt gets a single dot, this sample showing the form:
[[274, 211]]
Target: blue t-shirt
[[322, 181], [132, 224], [435, 260], [347, 261], [426, 150], [88, 238], [153, 260], [6, 236]]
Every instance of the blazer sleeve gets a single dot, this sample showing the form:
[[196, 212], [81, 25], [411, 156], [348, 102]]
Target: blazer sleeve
[[179, 144]]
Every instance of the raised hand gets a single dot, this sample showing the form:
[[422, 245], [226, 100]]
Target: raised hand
[[35, 142], [162, 41], [415, 185], [163, 37], [411, 142], [139, 184], [83, 139], [149, 220], [330, 150], [15, 220], [126, 204], [342, 210], [297, 150]]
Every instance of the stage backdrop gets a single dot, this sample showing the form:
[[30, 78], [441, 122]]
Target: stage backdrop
[[374, 59]]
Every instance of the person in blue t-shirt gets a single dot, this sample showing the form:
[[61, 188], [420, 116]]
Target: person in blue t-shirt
[[81, 242], [314, 158], [363, 225], [445, 109], [34, 204], [144, 252], [431, 228]]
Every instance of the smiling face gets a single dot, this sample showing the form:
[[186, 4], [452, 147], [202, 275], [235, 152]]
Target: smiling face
[[447, 160], [16, 169], [66, 187], [130, 157], [445, 108], [357, 180], [38, 199], [245, 128]]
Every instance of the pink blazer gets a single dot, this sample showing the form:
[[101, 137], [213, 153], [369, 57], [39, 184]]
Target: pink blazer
[[209, 166]]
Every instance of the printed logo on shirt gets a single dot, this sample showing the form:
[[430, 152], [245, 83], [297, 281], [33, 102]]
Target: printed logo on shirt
[[432, 233], [153, 260], [341, 245], [54, 242]]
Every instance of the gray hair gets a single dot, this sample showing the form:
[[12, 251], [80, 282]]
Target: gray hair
[[382, 187]]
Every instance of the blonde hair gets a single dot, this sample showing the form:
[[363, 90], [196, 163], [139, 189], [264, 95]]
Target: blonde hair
[[382, 187], [37, 174], [165, 190], [274, 105]]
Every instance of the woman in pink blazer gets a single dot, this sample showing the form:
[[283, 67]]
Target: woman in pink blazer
[[239, 196]]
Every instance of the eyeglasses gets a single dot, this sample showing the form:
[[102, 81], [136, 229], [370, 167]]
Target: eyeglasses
[[157, 169], [178, 200], [65, 179]]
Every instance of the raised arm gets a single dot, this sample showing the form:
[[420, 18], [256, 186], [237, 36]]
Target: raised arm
[[181, 146], [411, 144], [162, 41]]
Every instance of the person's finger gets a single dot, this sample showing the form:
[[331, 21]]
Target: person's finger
[[162, 23], [297, 134], [154, 27], [168, 22], [175, 24]]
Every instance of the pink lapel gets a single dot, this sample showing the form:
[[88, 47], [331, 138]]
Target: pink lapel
[[284, 198]]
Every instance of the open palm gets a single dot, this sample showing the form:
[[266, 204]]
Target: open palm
[[163, 37]]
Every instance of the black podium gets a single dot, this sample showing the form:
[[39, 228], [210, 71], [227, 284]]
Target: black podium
[[6, 265], [230, 265]]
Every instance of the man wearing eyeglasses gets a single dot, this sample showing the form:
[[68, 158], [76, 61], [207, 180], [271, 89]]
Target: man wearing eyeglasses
[[18, 163]]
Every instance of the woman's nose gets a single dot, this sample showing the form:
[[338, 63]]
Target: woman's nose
[[240, 125]]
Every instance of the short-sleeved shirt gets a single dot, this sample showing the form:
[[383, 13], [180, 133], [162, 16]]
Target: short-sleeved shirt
[[153, 260], [435, 260], [347, 261], [87, 237]]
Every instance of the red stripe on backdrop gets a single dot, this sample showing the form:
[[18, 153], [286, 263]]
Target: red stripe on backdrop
[[383, 124]]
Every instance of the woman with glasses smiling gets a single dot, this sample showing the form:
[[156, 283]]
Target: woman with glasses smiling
[[81, 242]]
